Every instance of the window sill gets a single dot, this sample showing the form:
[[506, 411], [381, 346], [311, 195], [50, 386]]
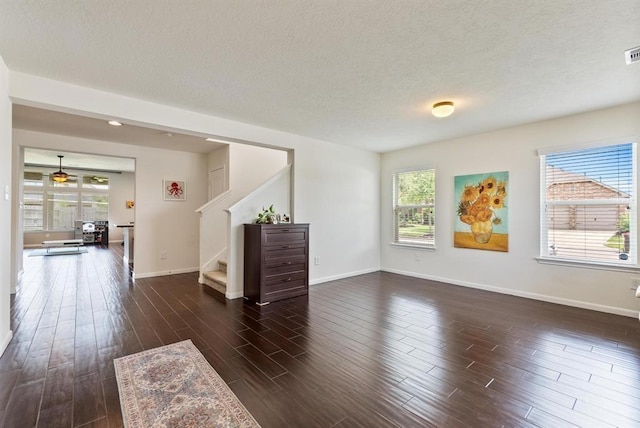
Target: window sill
[[588, 265], [409, 245]]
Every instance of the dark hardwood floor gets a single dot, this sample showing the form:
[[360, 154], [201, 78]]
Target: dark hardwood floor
[[377, 350]]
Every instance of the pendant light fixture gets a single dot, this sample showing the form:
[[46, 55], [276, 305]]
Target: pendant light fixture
[[60, 176]]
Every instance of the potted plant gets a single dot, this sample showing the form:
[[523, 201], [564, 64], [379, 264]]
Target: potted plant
[[267, 216]]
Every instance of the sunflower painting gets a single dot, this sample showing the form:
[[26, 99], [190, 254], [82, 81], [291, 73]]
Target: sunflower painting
[[481, 211]]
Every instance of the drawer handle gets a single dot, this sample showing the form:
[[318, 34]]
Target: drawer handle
[[287, 263], [286, 280], [286, 246], [285, 230]]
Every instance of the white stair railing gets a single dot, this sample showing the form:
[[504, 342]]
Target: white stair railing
[[214, 232]]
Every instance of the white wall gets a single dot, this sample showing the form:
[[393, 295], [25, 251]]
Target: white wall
[[161, 226], [121, 190], [168, 226], [17, 237], [6, 278], [337, 192], [517, 271], [250, 166], [336, 187]]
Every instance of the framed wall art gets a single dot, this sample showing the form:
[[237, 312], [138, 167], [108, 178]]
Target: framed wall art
[[174, 190], [481, 211]]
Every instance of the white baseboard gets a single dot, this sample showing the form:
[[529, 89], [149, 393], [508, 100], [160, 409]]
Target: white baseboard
[[236, 295], [342, 276], [525, 294], [5, 342], [163, 273]]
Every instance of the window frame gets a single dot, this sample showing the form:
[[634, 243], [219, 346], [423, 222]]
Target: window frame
[[395, 207], [29, 207], [630, 265], [53, 197]]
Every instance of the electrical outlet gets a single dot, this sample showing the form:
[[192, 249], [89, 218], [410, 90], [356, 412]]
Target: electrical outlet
[[163, 255], [417, 257], [316, 260]]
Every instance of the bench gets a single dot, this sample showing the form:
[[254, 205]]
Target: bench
[[62, 243]]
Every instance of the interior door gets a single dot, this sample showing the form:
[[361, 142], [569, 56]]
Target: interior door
[[216, 182]]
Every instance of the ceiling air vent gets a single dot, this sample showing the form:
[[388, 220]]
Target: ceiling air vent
[[632, 55]]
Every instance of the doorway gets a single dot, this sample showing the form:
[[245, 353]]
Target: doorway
[[97, 193]]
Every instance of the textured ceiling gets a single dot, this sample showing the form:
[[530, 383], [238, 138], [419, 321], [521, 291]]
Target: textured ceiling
[[361, 73]]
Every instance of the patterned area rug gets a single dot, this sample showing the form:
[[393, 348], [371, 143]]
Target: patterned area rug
[[174, 386]]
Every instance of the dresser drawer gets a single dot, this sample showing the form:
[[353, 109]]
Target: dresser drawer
[[285, 290], [284, 252], [291, 264], [276, 261], [281, 279], [285, 267], [282, 236]]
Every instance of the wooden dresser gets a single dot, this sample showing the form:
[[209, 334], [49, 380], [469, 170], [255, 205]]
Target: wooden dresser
[[276, 261]]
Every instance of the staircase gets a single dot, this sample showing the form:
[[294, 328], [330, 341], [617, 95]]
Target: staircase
[[216, 280], [222, 222]]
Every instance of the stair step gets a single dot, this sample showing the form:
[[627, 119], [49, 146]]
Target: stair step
[[216, 280], [217, 276], [222, 265]]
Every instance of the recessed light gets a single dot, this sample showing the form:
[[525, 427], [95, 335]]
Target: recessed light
[[215, 140], [443, 109], [114, 123]]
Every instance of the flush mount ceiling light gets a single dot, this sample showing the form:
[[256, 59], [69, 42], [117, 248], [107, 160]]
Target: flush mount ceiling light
[[60, 176], [114, 123], [443, 109]]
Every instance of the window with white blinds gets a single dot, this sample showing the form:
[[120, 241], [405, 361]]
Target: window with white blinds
[[588, 205], [414, 207], [53, 206]]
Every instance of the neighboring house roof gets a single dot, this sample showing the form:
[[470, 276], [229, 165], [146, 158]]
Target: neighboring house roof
[[556, 176]]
